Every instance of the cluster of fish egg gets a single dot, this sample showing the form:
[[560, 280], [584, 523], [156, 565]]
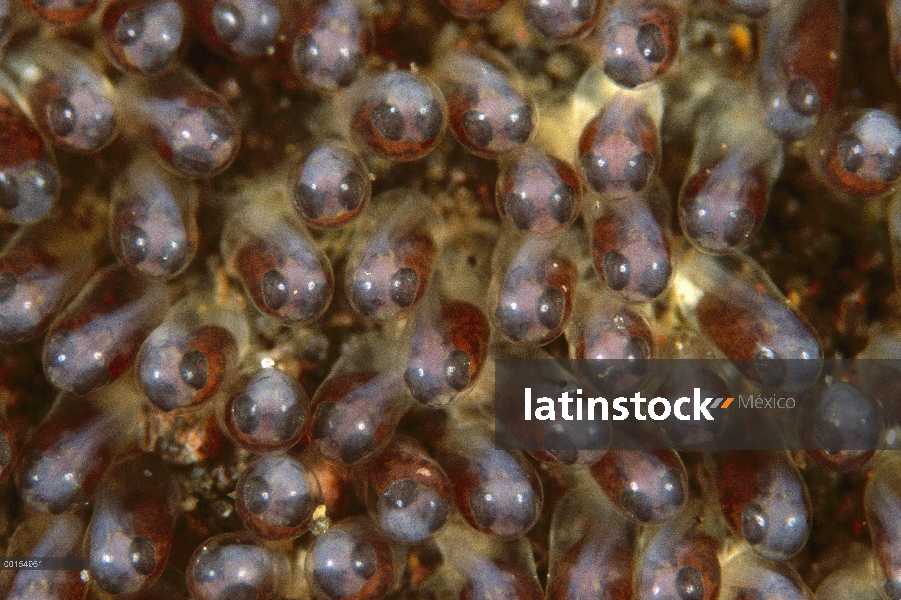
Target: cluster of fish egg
[[194, 402]]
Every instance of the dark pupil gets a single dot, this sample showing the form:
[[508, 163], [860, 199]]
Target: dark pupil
[[245, 414], [34, 470], [456, 369], [650, 43], [227, 21], [654, 279], [637, 170], [519, 210], [624, 71], [690, 584], [173, 255], [769, 366], [310, 202], [299, 507], [388, 121], [130, 27], [61, 117], [829, 436], [193, 369], [193, 159], [512, 321], [291, 421], [42, 179], [738, 226], [561, 203], [551, 306], [616, 270], [256, 494], [890, 165], [484, 507], [9, 192], [100, 129], [519, 124], [850, 152], [429, 119], [400, 494], [404, 286], [419, 383], [345, 69], [365, 297], [325, 420], [350, 191], [134, 244], [274, 288], [60, 348], [637, 349], [596, 172], [156, 60], [356, 447], [218, 124], [582, 9], [477, 128], [803, 96], [753, 523], [7, 286], [560, 447], [637, 504], [306, 54], [143, 555], [363, 560]]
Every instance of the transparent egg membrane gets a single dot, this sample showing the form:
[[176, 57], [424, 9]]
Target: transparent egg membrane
[[258, 259]]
